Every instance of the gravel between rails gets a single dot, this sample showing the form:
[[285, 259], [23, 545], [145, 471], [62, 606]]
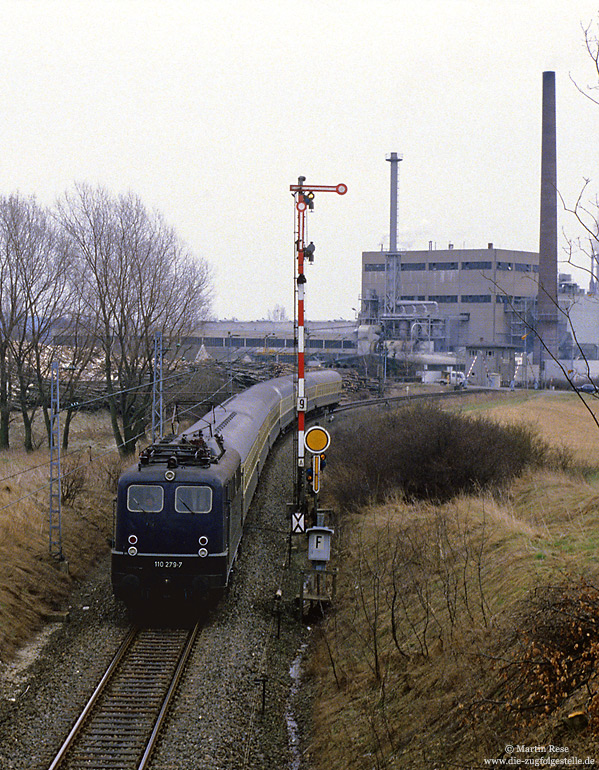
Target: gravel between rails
[[217, 720]]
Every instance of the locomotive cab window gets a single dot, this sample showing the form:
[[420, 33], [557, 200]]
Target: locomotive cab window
[[145, 498], [193, 500]]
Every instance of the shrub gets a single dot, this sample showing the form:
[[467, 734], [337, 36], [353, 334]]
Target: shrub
[[428, 454], [72, 482], [112, 466], [556, 651]]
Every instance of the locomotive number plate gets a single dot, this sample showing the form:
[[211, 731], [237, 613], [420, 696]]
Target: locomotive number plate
[[168, 564]]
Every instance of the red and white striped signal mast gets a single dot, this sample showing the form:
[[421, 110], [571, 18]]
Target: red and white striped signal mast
[[304, 201]]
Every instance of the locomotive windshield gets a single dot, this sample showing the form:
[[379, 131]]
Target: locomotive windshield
[[145, 498], [193, 499]]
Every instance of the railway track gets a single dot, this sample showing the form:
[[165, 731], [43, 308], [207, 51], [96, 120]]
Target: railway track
[[408, 399], [119, 726]]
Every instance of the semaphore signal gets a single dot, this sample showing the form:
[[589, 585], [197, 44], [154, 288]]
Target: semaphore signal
[[304, 201]]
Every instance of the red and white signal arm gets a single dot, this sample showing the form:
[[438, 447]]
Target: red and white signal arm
[[317, 439]]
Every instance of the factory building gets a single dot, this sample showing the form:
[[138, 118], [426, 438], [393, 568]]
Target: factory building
[[327, 342], [498, 311], [492, 313], [480, 304], [469, 295]]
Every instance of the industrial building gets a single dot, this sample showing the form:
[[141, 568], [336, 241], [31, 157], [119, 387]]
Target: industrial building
[[450, 298], [500, 315], [230, 341], [480, 305], [504, 315]]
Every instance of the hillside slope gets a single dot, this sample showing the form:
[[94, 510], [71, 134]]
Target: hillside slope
[[465, 628]]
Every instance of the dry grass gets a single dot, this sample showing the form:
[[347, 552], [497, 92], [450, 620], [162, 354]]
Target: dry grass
[[415, 667], [30, 584], [561, 418]]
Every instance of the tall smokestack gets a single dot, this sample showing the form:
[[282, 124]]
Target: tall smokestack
[[394, 160], [547, 308]]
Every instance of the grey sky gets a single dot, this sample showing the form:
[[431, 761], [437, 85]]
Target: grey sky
[[210, 110]]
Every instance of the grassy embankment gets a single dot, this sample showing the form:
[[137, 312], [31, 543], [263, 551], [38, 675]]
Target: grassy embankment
[[31, 586], [470, 625]]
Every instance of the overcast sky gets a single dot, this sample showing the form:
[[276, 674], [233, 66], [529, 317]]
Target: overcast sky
[[210, 110]]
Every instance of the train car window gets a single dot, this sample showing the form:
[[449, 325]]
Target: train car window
[[193, 499], [145, 498]]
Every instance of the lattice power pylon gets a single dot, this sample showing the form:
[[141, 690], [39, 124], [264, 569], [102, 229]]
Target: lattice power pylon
[[55, 515], [157, 390]]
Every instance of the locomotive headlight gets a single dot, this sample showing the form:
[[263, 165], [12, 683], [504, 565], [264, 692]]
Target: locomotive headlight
[[203, 552], [132, 551], [203, 540], [132, 539], [169, 475]]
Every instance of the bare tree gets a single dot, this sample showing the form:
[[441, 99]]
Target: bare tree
[[584, 213], [75, 346], [34, 293], [585, 209], [12, 313], [135, 278]]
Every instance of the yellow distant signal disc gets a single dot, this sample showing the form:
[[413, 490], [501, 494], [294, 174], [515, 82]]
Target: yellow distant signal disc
[[317, 439]]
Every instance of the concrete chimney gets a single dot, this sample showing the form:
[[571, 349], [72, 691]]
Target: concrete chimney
[[394, 159], [547, 307]]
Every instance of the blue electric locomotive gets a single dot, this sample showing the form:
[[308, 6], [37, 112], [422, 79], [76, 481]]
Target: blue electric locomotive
[[180, 511]]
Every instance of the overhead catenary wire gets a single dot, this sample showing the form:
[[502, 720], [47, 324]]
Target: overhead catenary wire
[[104, 397], [107, 396], [78, 467], [67, 473], [86, 403]]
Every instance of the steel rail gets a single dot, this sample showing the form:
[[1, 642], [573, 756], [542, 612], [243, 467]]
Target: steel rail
[[383, 400], [125, 645], [168, 698], [123, 718]]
